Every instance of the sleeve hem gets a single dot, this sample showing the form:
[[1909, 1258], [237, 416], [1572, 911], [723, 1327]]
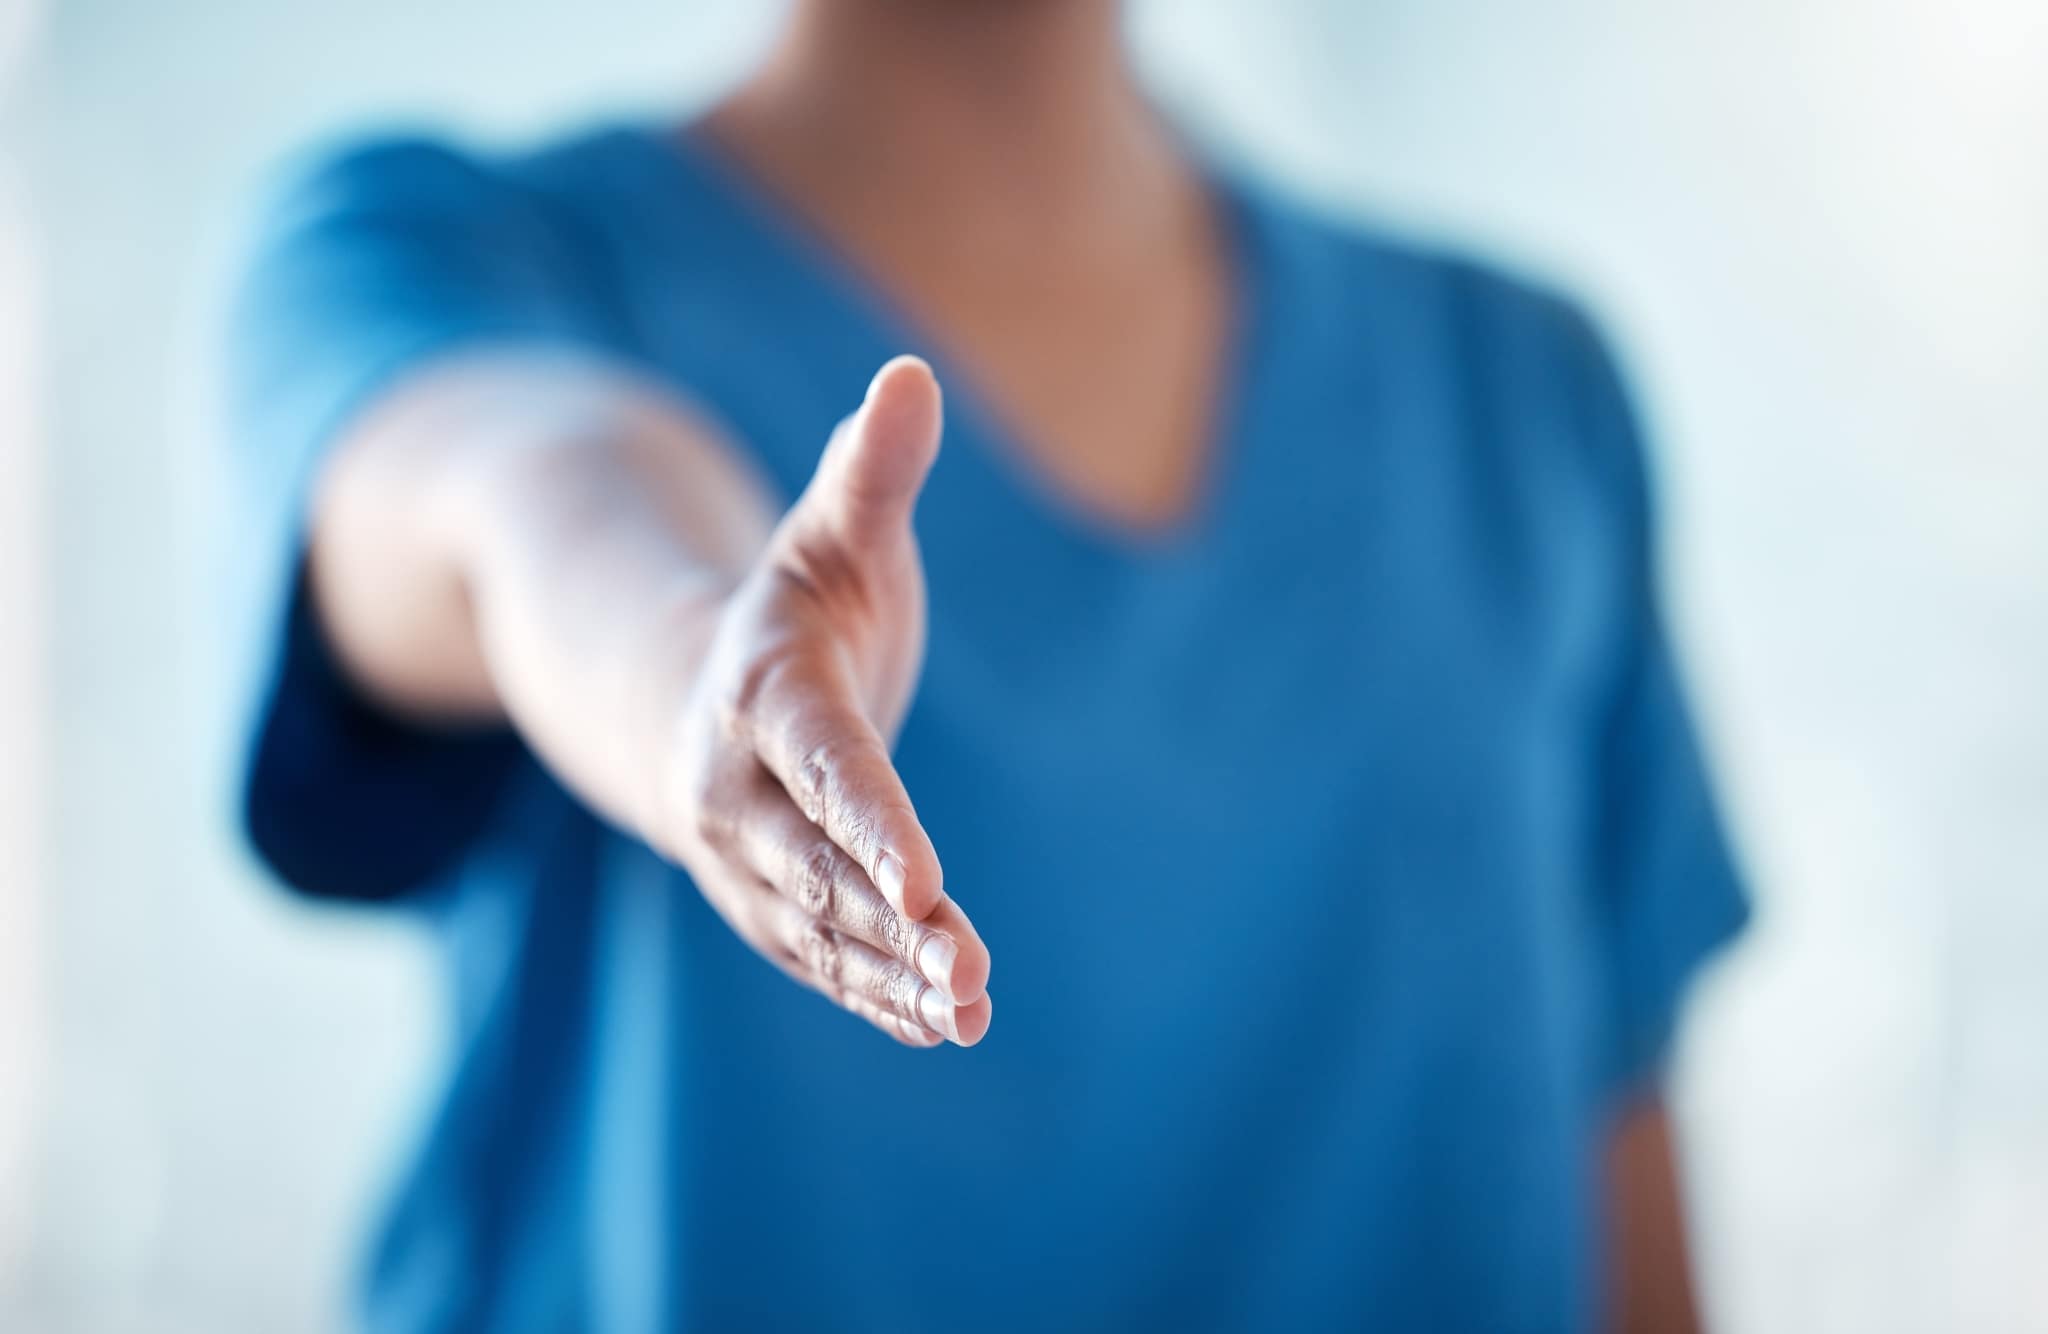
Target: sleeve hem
[[343, 799]]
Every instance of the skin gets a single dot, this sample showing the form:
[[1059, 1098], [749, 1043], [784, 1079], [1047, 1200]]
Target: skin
[[720, 672], [1650, 1271]]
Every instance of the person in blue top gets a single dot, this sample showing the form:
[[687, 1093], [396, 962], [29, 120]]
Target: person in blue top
[[1263, 689]]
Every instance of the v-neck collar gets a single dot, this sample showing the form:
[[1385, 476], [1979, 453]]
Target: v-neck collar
[[808, 260]]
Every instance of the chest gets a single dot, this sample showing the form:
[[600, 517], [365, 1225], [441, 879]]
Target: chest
[[1365, 661], [1279, 800], [1329, 700], [1102, 381]]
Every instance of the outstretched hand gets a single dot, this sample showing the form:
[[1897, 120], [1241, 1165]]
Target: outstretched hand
[[781, 799]]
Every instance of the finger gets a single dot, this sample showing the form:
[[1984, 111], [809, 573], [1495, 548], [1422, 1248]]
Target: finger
[[903, 1030], [810, 733], [794, 857], [755, 913], [853, 971], [872, 469]]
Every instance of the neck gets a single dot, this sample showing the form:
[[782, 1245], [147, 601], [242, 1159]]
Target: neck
[[981, 112]]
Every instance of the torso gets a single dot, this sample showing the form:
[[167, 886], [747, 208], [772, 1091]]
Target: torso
[[1309, 767]]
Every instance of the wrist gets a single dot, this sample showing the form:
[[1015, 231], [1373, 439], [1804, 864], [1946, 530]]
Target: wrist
[[592, 620], [669, 655]]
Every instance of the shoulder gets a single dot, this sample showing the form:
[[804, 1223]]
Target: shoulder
[[399, 227], [379, 167], [426, 178], [1505, 341], [1466, 304], [362, 259], [1509, 365]]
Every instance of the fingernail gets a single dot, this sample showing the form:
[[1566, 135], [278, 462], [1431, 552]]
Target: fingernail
[[935, 960], [889, 879], [938, 1013]]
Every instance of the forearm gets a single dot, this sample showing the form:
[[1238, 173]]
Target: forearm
[[1650, 1260], [518, 538], [585, 557]]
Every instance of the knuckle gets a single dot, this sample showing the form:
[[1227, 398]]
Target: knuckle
[[863, 830], [831, 798], [899, 935], [734, 707], [900, 990], [711, 822], [815, 880], [815, 568], [739, 702], [819, 948], [816, 781]]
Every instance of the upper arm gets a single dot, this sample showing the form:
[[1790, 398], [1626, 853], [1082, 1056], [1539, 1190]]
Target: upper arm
[[1650, 1287], [402, 305], [1666, 890], [559, 451]]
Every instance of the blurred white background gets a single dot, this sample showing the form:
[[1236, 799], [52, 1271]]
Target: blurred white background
[[1820, 227]]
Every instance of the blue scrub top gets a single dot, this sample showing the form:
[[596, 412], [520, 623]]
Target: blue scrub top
[[1343, 853]]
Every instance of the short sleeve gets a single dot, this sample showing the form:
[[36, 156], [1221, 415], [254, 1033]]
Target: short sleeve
[[1669, 894], [363, 268]]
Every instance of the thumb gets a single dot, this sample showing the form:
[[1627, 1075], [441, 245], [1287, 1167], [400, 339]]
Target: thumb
[[876, 462]]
